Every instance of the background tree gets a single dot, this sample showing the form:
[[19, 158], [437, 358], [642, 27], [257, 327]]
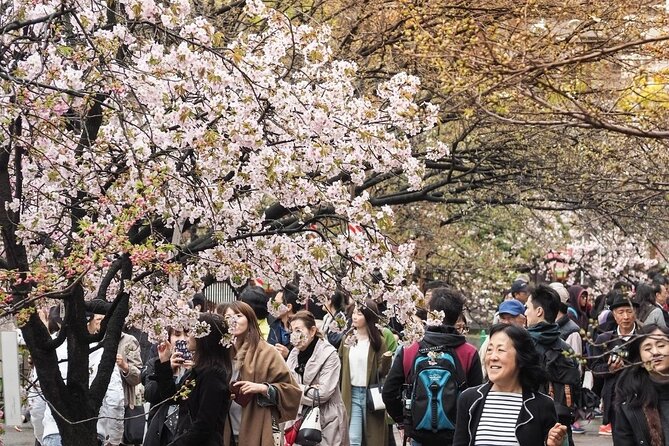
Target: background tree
[[550, 106]]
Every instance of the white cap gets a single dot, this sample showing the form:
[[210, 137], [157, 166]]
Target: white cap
[[561, 290]]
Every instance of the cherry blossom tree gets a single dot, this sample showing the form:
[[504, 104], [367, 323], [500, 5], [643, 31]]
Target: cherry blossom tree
[[142, 149]]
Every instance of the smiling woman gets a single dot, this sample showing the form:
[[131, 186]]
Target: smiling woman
[[508, 410], [642, 412]]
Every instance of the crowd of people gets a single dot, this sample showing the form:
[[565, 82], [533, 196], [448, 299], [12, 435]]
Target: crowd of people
[[295, 377]]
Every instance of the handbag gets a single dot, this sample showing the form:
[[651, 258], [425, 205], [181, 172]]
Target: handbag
[[309, 433], [133, 425], [290, 433], [374, 398]]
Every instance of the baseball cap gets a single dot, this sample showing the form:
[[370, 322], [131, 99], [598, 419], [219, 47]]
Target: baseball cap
[[519, 286], [512, 306], [561, 290]]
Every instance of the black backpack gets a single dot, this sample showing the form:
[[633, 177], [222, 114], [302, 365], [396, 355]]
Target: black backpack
[[564, 380], [431, 394]]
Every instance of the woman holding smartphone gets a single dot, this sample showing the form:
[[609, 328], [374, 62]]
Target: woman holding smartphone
[[202, 393], [163, 418], [264, 393]]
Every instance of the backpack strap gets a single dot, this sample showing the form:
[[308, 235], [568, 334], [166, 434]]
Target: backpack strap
[[409, 356]]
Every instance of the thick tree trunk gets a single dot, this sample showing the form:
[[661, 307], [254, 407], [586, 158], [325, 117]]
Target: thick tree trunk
[[73, 398]]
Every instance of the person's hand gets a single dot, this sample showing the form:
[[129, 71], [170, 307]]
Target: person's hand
[[615, 363], [122, 364], [282, 349], [187, 364], [246, 387], [176, 360], [164, 351], [556, 435]]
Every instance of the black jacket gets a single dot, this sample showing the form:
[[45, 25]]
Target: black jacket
[[202, 412], [536, 418], [567, 327], [631, 427], [604, 379], [434, 336]]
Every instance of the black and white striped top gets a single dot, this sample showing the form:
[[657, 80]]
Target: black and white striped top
[[497, 426]]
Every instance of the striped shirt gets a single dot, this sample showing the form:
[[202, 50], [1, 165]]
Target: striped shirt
[[497, 426]]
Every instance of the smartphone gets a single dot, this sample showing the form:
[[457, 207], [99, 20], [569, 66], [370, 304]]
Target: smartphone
[[240, 398], [182, 346]]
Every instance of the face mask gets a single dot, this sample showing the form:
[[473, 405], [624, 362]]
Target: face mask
[[275, 308], [297, 337]]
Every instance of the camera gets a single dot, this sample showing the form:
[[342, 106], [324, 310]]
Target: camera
[[182, 346], [618, 352]]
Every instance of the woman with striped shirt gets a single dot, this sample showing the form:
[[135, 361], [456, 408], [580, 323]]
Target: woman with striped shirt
[[508, 410]]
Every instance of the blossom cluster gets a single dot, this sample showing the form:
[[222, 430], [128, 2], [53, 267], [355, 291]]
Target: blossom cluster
[[140, 147]]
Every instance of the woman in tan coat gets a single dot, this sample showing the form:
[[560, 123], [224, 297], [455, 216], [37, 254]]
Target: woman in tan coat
[[364, 361], [314, 363], [263, 391]]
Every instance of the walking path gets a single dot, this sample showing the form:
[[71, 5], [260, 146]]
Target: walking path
[[590, 438]]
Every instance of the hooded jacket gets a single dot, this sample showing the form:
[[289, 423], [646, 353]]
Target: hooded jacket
[[547, 335], [443, 336], [578, 314]]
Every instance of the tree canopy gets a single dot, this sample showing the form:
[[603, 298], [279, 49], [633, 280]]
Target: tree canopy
[[145, 145]]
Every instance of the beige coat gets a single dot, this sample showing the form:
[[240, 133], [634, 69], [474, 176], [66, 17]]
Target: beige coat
[[265, 365], [128, 347], [322, 370], [375, 428]]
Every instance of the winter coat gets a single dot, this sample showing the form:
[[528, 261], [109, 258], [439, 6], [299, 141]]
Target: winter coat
[[631, 427], [599, 365], [576, 313], [157, 433], [567, 327], [375, 428], [203, 412], [570, 333], [128, 346], [434, 336], [536, 418], [264, 365], [322, 370], [655, 314]]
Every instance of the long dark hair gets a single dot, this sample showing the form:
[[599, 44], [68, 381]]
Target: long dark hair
[[209, 352], [634, 384], [371, 312], [340, 301], [528, 361], [645, 297]]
